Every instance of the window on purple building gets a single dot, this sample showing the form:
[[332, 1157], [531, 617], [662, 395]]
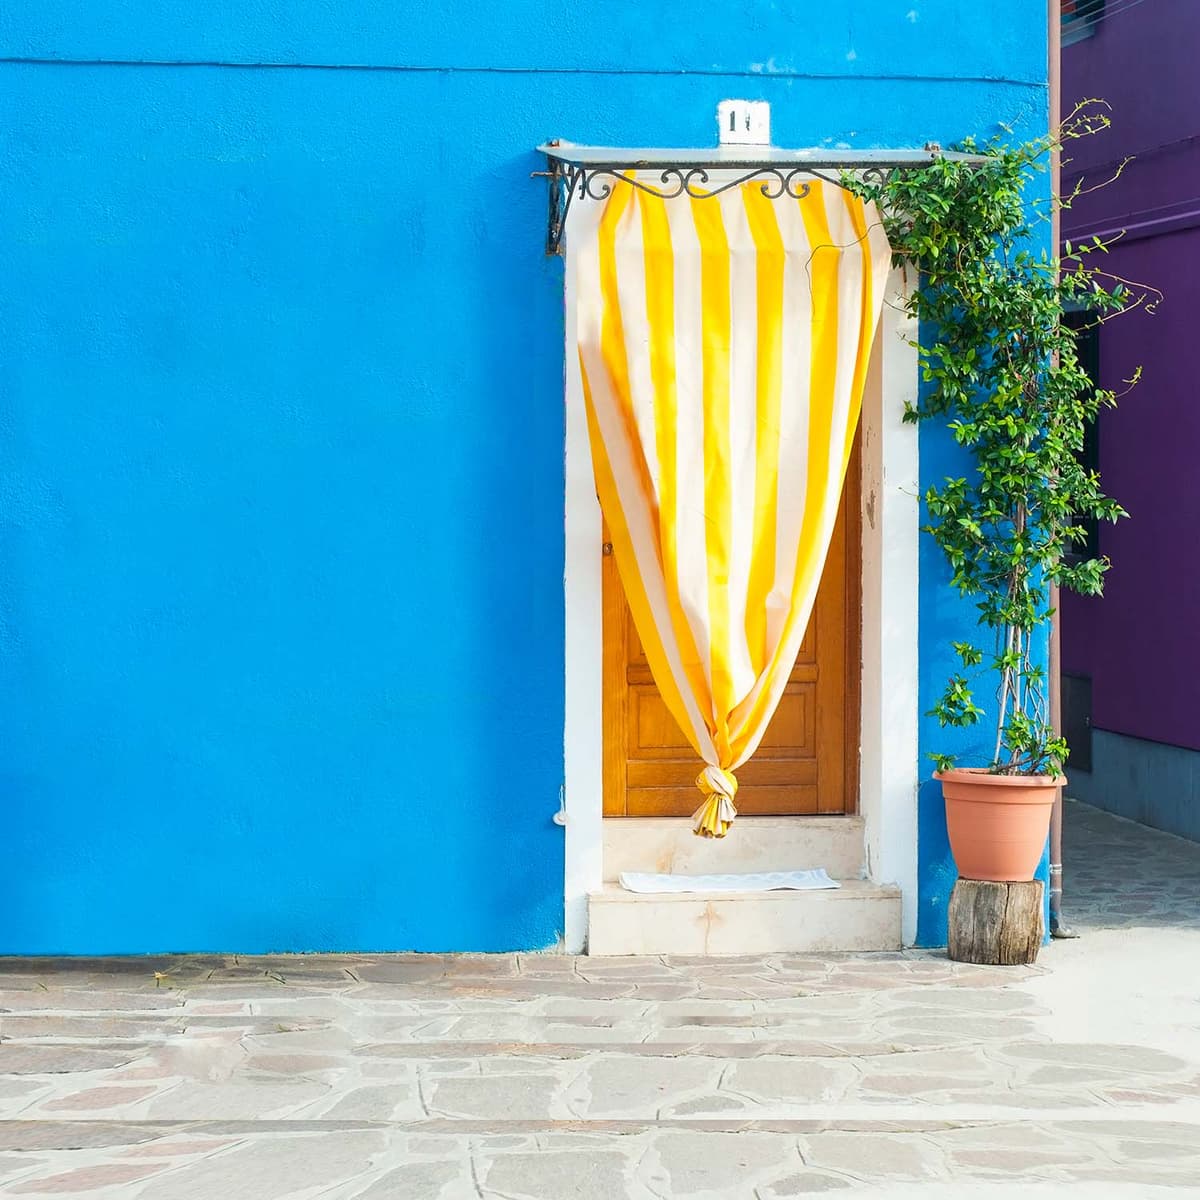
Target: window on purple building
[[1080, 18]]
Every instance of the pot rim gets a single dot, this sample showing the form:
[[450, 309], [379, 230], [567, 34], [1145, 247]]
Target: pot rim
[[985, 778]]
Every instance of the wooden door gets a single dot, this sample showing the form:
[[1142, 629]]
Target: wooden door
[[807, 762]]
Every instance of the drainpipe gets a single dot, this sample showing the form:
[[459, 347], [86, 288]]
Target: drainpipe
[[1054, 78]]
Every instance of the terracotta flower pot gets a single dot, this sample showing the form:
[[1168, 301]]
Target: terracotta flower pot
[[997, 823]]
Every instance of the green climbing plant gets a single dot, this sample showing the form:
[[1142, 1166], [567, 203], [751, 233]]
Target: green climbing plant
[[1000, 368]]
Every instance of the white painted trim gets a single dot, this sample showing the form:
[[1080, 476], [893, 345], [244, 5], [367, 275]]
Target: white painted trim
[[583, 733], [889, 763], [891, 524]]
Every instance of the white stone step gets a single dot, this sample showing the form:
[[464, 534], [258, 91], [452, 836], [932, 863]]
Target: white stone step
[[857, 916], [667, 845]]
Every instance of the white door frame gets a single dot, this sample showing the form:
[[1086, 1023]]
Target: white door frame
[[890, 527]]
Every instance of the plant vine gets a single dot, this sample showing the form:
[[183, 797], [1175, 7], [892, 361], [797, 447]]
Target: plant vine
[[1000, 366]]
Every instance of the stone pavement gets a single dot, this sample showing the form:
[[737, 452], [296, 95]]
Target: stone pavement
[[537, 1077]]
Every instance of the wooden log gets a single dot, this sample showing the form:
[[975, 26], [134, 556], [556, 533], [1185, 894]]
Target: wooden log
[[996, 923]]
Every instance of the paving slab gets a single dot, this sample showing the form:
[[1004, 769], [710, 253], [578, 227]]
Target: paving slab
[[544, 1077]]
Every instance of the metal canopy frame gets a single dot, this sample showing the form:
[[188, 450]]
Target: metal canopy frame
[[590, 171]]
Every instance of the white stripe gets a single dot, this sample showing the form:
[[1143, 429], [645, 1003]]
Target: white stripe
[[795, 387], [851, 272], [743, 428], [631, 288], [690, 524], [849, 323], [792, 481], [637, 513]]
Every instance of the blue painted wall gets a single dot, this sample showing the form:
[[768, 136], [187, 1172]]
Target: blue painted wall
[[281, 436], [945, 618]]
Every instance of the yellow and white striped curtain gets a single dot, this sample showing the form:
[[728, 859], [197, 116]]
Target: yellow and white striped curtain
[[723, 344]]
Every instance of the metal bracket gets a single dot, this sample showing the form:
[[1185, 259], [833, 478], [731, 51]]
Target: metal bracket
[[596, 183], [591, 172]]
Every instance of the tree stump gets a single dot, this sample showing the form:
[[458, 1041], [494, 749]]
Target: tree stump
[[996, 923]]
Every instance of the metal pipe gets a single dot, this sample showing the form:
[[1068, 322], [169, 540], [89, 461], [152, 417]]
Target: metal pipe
[[1058, 929]]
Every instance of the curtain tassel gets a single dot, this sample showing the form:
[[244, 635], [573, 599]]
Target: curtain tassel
[[714, 817]]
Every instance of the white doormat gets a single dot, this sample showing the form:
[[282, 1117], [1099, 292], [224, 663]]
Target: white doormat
[[762, 881]]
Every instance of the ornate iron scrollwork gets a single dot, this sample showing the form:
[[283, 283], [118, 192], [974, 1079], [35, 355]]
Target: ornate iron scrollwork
[[593, 175], [595, 182]]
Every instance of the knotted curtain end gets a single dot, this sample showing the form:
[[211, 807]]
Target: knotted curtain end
[[714, 817]]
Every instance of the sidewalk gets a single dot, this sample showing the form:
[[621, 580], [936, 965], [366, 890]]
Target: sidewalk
[[549, 1078]]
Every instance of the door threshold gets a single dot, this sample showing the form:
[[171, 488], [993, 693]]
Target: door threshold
[[667, 845]]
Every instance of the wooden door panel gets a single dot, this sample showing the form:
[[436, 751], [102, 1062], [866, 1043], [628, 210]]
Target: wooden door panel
[[807, 761], [654, 734], [764, 772], [792, 728], [765, 788], [792, 799], [807, 654]]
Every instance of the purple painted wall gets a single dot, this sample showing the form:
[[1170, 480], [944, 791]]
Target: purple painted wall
[[1141, 642]]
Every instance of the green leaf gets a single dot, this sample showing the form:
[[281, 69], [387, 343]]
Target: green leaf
[[1000, 369]]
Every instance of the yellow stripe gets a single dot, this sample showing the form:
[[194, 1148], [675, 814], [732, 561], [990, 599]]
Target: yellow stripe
[[769, 259], [866, 330], [823, 271], [630, 570], [612, 346], [612, 327], [612, 340], [718, 504], [659, 267], [823, 276]]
